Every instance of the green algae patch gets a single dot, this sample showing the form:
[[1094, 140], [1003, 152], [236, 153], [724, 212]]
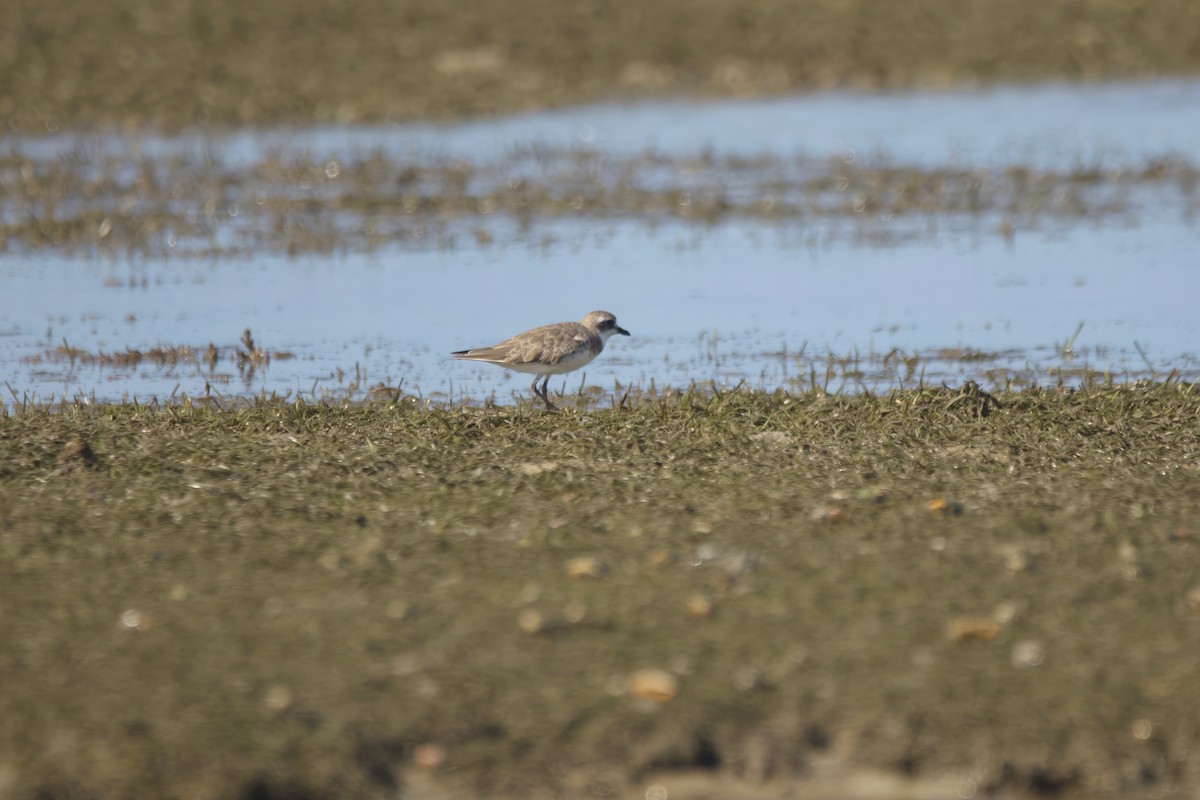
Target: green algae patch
[[323, 601]]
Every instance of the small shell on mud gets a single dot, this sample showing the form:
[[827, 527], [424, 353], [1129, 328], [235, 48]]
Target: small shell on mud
[[963, 628], [278, 698], [575, 613], [531, 621], [585, 567], [1015, 559], [835, 514], [656, 685], [1182, 534], [1006, 612], [1028, 653], [1189, 603], [659, 557], [944, 506], [699, 606], [429, 756]]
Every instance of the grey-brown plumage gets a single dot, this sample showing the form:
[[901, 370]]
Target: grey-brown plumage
[[550, 349]]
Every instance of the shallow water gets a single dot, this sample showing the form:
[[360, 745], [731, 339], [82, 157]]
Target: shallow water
[[1040, 125], [740, 302], [768, 303]]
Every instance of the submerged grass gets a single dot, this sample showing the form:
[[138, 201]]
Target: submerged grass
[[247, 357], [71, 64], [129, 204], [305, 600]]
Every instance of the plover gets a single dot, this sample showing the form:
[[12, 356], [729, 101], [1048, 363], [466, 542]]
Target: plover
[[550, 349]]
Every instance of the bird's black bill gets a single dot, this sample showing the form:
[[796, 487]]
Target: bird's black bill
[[622, 331]]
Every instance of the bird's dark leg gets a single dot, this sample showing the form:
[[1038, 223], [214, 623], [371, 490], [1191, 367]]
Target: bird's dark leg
[[545, 394], [540, 394]]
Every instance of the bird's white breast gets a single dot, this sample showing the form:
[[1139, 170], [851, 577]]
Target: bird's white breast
[[572, 362]]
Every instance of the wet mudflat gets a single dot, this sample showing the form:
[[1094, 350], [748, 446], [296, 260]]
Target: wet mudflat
[[987, 594], [272, 529]]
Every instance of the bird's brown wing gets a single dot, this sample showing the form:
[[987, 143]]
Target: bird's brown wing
[[549, 345]]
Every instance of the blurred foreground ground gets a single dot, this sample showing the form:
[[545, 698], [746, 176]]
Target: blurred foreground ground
[[66, 64], [290, 601]]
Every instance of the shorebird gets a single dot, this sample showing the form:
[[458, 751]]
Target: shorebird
[[550, 349]]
